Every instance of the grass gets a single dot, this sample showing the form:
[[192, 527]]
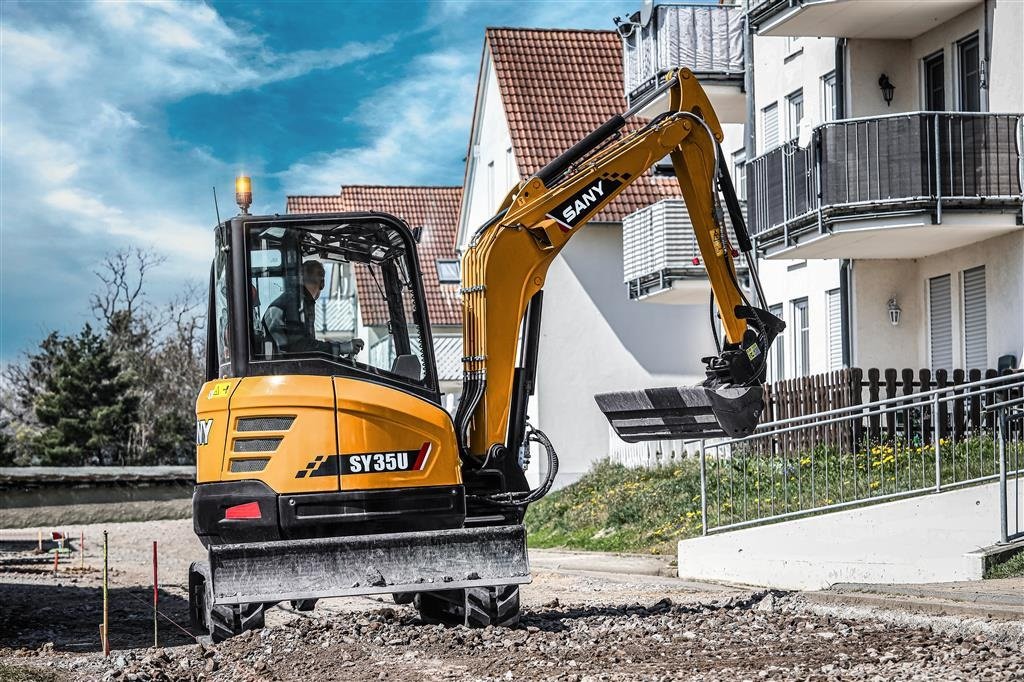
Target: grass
[[1011, 568], [614, 508]]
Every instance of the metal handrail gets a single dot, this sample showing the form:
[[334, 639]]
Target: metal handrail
[[879, 117]]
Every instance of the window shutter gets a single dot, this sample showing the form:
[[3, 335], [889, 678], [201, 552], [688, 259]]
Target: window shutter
[[940, 322], [835, 330], [770, 115], [975, 332]]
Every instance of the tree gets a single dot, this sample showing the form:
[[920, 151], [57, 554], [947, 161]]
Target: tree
[[86, 409], [122, 396]]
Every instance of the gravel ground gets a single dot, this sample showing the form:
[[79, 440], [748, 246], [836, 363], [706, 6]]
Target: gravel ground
[[574, 627]]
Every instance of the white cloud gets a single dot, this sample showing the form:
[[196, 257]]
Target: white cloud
[[417, 131], [85, 162]]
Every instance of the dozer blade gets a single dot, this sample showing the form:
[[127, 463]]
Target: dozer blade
[[420, 561], [685, 412]]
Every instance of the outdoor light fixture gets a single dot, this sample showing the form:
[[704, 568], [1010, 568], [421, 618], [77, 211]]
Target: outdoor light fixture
[[243, 193], [887, 90], [894, 312]]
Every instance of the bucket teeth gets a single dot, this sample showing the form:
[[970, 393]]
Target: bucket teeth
[[684, 412]]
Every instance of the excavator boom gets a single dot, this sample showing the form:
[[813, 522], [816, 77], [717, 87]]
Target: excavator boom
[[505, 267]]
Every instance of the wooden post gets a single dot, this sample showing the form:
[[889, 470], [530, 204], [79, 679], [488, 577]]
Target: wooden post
[[106, 603], [156, 642]]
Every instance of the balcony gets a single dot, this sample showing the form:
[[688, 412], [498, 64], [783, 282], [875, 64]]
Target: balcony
[[882, 20], [707, 39], [928, 182], [661, 261]]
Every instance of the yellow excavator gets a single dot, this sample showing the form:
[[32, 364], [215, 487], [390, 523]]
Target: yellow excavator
[[326, 464]]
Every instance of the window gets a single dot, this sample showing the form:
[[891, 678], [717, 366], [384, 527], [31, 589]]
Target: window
[[739, 173], [834, 305], [934, 83], [969, 63], [975, 319], [770, 126], [448, 272], [801, 339], [792, 45], [828, 97], [298, 313], [795, 113], [220, 350], [510, 169], [940, 323], [777, 360]]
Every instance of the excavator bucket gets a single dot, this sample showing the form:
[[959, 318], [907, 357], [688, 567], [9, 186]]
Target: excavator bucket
[[687, 413]]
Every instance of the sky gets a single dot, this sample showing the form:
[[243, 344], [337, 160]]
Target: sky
[[117, 119]]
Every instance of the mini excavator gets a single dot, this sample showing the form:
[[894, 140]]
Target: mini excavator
[[327, 466]]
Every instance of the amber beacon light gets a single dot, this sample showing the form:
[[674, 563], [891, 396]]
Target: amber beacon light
[[243, 193]]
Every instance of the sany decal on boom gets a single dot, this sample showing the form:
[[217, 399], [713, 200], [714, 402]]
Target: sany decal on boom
[[583, 203]]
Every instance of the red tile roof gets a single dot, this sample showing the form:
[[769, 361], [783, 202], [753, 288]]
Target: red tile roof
[[436, 209], [557, 86]]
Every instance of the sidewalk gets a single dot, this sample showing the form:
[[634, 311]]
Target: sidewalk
[[1001, 599], [603, 562]]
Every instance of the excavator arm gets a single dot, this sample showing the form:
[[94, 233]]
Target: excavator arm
[[504, 270]]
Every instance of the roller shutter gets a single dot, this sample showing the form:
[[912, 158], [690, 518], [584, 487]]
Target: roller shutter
[[940, 322], [975, 319]]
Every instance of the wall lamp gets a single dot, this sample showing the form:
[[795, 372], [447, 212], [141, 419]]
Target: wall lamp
[[888, 89], [894, 312]]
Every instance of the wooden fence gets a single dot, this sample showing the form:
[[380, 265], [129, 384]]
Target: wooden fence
[[822, 393]]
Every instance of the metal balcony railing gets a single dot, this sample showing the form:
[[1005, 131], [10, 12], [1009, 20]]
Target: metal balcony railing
[[924, 160], [707, 39], [659, 248]]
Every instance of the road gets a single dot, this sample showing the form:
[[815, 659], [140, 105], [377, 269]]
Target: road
[[575, 626]]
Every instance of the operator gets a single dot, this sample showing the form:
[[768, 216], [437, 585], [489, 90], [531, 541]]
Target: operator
[[294, 329]]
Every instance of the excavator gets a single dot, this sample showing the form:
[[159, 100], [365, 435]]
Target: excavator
[[327, 466]]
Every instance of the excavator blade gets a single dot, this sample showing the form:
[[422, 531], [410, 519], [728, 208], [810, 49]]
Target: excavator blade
[[685, 412], [420, 561]]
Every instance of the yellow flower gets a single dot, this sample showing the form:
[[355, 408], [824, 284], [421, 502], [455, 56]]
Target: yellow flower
[[874, 484]]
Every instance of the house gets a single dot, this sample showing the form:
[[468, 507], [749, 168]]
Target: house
[[539, 92], [434, 210], [884, 181]]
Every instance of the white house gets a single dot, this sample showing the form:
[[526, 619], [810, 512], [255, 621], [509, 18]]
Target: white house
[[904, 199], [539, 92]]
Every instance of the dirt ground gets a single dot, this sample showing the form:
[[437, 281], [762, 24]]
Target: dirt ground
[[574, 627]]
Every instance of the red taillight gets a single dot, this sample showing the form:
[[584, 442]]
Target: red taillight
[[249, 510]]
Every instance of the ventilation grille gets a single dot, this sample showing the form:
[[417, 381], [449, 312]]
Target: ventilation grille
[[256, 444], [265, 423], [244, 466]]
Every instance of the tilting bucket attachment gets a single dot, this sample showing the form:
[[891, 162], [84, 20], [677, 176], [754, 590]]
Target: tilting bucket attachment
[[686, 413]]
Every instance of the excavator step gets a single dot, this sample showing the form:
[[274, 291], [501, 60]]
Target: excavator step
[[420, 561], [683, 412]]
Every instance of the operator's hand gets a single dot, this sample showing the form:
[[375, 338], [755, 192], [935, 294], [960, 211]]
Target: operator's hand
[[350, 348]]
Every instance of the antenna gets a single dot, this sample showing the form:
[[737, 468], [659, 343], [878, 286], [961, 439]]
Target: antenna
[[215, 207]]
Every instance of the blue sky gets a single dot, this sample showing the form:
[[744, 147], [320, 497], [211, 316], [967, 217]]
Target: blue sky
[[116, 119]]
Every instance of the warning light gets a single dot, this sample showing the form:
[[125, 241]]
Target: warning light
[[243, 193]]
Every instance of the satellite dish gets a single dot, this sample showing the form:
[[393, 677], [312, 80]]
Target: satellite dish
[[646, 9]]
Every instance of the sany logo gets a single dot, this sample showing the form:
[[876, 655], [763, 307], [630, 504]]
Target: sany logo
[[583, 201], [581, 205], [203, 427]]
